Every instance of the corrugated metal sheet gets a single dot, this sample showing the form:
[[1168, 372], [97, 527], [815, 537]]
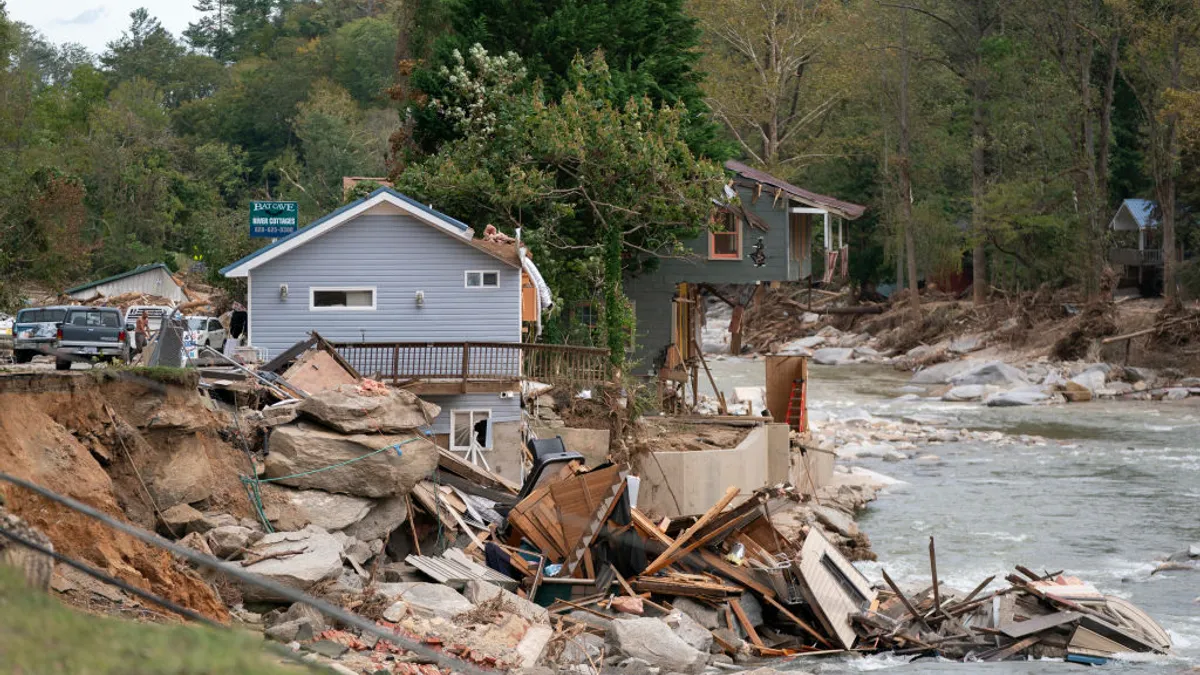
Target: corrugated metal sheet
[[457, 573]]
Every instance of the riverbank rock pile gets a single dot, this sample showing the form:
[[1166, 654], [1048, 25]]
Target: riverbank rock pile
[[338, 468], [995, 383]]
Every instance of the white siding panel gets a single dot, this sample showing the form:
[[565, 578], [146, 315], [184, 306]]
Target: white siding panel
[[399, 256]]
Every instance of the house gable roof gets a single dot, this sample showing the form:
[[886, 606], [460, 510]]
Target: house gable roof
[[846, 210], [140, 269], [315, 229], [1135, 214]]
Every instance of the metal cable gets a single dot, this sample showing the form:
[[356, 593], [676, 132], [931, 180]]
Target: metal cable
[[237, 572]]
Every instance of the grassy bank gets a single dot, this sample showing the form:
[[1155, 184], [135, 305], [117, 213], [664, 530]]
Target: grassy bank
[[40, 635]]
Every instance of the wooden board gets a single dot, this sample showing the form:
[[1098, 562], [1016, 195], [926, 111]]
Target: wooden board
[[1019, 629], [833, 603], [669, 554]]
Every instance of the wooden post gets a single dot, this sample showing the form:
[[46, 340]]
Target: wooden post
[[466, 364], [735, 330], [396, 366]]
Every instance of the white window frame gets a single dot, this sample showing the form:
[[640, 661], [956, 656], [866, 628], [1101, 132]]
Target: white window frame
[[312, 298], [467, 275], [470, 415]]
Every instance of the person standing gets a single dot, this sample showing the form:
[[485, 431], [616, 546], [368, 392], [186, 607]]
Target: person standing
[[141, 332]]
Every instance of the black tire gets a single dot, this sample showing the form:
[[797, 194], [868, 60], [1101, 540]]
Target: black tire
[[23, 356], [62, 364]]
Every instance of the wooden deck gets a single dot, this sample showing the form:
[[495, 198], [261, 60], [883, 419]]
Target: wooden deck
[[464, 367], [1133, 257]]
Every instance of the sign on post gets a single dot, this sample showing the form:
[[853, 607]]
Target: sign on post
[[273, 219]]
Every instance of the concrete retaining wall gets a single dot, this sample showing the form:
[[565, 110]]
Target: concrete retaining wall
[[698, 478]]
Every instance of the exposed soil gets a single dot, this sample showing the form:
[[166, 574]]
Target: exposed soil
[[675, 437], [77, 434]]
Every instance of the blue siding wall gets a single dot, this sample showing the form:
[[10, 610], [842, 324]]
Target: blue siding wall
[[652, 292], [398, 255], [503, 409]]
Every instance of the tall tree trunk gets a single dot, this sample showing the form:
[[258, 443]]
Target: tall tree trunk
[[1166, 193], [1093, 235], [905, 161], [979, 281]]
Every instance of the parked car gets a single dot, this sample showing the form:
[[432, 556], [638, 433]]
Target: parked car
[[89, 333], [154, 313], [206, 331], [35, 330]]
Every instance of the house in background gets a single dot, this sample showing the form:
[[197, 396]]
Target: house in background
[[767, 235], [410, 296], [1137, 244], [154, 279]]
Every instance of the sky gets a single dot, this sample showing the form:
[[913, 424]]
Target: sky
[[95, 23]]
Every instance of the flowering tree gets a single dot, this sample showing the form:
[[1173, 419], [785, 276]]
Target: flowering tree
[[599, 188]]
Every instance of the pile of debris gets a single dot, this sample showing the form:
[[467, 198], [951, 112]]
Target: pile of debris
[[1046, 616]]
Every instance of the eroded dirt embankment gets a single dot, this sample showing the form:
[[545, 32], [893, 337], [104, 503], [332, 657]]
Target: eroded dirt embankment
[[82, 434]]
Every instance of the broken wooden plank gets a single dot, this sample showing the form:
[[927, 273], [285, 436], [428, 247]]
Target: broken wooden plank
[[745, 623], [665, 558], [798, 621], [1020, 629], [1001, 654]]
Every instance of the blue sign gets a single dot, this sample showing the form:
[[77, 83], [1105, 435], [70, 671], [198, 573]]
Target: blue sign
[[273, 220]]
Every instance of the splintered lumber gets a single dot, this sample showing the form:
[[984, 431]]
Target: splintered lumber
[[912, 611], [670, 554], [647, 527], [1020, 629], [1001, 654], [478, 475], [798, 621], [745, 623], [584, 503], [689, 587], [739, 575], [937, 596]]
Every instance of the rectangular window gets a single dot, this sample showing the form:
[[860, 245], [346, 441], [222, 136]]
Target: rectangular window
[[342, 299], [476, 279], [725, 243], [95, 319], [470, 429]]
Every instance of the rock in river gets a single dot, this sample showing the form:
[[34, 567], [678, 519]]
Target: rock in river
[[833, 356], [994, 372]]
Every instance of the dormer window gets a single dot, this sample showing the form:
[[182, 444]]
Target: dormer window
[[725, 239]]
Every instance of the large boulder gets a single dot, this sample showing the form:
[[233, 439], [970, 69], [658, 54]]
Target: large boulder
[[385, 516], [995, 372], [653, 641], [351, 409], [479, 592], [1008, 399], [1092, 379], [425, 598], [689, 630], [966, 392], [942, 373], [183, 477], [833, 356], [300, 448], [228, 540], [292, 509], [313, 556]]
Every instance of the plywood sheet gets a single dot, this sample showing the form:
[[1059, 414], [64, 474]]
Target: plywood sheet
[[317, 370], [781, 372]]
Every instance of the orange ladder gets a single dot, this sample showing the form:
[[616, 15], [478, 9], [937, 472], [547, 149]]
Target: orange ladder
[[797, 410]]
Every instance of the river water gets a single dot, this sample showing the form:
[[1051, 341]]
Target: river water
[[1115, 485]]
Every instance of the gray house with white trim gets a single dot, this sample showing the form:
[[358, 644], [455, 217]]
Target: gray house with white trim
[[384, 276]]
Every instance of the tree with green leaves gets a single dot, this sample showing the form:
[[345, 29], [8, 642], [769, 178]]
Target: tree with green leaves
[[650, 46], [598, 188]]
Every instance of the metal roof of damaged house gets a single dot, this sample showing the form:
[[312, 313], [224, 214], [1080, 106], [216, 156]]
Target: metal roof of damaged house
[[133, 272], [847, 210]]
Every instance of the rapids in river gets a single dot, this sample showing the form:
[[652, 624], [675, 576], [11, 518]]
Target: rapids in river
[[1115, 485]]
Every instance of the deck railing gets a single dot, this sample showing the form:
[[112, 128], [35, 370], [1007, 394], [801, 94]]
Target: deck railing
[[477, 362], [1135, 257]]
